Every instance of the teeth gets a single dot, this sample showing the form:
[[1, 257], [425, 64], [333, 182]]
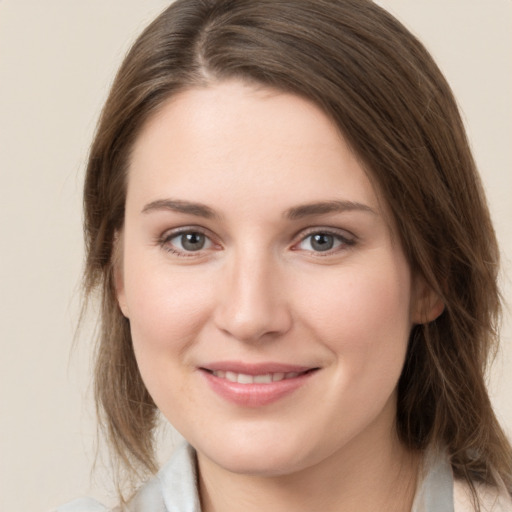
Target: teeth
[[243, 378], [230, 376], [263, 379]]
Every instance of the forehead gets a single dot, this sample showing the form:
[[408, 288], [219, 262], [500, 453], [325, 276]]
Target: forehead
[[252, 141]]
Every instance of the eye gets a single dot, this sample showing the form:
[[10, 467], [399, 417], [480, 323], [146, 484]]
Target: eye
[[186, 242], [324, 241]]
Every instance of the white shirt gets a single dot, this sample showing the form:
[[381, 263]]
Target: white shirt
[[174, 489]]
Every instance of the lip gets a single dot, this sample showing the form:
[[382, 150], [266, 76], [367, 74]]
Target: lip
[[255, 394], [254, 368]]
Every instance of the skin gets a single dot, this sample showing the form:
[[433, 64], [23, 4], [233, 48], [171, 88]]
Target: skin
[[260, 291]]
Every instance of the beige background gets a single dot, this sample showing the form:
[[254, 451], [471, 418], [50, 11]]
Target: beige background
[[57, 59]]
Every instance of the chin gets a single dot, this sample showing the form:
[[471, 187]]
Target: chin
[[263, 465], [258, 455]]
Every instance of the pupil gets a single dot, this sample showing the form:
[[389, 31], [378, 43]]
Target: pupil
[[193, 241], [322, 242]]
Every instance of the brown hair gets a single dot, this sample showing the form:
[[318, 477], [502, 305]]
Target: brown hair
[[395, 109]]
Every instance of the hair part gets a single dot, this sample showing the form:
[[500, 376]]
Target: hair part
[[395, 109]]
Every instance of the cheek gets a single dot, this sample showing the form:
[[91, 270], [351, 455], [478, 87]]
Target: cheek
[[363, 314], [167, 312], [362, 318], [166, 309]]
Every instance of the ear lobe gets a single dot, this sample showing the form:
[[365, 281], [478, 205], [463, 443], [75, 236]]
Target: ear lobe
[[427, 305], [117, 271]]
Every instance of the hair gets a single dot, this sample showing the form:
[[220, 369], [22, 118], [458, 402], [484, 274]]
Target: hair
[[395, 109]]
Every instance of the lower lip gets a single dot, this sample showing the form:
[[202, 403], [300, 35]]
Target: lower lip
[[255, 395]]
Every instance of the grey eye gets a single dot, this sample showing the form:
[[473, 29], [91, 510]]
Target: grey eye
[[190, 242], [322, 242]]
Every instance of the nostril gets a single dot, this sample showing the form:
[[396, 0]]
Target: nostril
[[248, 322]]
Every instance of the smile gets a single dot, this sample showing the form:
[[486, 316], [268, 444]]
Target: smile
[[266, 378], [255, 385]]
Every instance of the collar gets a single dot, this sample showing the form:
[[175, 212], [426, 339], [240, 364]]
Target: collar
[[434, 491], [175, 488]]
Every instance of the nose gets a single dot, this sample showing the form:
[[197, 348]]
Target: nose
[[252, 305]]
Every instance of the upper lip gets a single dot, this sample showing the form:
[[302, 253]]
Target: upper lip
[[255, 368]]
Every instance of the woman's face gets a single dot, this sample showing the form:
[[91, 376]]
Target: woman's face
[[269, 300]]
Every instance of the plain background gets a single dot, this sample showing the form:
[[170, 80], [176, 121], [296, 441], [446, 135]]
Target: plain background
[[57, 59]]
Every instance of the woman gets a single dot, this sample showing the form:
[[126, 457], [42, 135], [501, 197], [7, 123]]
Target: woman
[[296, 264]]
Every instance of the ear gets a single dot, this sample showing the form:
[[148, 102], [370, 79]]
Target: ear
[[426, 305], [118, 274]]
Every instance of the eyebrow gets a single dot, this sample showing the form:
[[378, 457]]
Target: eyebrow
[[294, 213], [324, 207], [180, 206]]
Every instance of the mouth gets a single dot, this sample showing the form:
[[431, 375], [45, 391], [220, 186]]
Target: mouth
[[250, 385], [262, 378]]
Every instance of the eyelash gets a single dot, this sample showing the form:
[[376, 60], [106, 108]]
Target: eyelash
[[164, 241], [345, 241]]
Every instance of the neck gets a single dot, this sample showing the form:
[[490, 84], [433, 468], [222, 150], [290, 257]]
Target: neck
[[358, 478]]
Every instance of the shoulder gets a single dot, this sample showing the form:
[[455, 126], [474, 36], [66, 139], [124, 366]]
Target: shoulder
[[439, 490], [491, 499], [173, 488], [83, 505], [148, 498]]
